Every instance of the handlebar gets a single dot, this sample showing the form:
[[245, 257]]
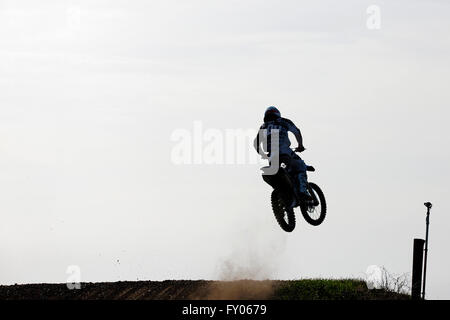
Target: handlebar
[[299, 150], [264, 156]]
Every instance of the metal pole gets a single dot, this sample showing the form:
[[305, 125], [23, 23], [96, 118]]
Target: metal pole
[[428, 205]]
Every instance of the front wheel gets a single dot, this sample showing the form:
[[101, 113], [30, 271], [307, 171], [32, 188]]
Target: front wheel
[[285, 217], [314, 213]]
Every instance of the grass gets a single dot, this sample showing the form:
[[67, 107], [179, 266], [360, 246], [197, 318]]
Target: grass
[[330, 289]]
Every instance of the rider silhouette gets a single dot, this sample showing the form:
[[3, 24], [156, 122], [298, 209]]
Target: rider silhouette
[[295, 165]]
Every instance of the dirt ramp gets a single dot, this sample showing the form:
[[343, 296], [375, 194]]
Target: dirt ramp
[[307, 289], [126, 290]]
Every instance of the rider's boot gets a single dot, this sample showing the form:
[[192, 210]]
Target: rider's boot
[[303, 190], [293, 203]]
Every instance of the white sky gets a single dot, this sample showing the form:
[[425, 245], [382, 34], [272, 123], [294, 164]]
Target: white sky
[[88, 103]]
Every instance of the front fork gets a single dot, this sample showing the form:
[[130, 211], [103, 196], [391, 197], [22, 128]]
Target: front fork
[[314, 202]]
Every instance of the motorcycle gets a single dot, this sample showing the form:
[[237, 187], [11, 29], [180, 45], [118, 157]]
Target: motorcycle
[[313, 209]]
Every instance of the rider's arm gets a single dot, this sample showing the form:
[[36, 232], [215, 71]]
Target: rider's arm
[[296, 131]]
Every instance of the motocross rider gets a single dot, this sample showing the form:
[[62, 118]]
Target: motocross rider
[[296, 166]]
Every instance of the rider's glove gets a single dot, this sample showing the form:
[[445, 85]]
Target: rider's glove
[[300, 149]]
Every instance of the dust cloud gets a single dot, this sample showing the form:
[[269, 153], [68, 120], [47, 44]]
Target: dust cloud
[[253, 260]]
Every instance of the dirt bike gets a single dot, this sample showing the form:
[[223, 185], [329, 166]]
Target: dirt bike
[[313, 210]]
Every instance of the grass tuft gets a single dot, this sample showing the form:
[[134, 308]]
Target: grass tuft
[[331, 289]]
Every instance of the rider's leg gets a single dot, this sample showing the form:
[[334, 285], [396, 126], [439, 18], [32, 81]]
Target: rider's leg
[[286, 158], [303, 183], [298, 167]]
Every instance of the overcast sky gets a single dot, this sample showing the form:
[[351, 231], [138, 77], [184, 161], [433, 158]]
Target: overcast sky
[[91, 92]]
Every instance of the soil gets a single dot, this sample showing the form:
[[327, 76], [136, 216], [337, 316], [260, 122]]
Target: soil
[[144, 290]]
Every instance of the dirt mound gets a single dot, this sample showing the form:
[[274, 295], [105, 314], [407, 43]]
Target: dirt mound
[[142, 290], [200, 289]]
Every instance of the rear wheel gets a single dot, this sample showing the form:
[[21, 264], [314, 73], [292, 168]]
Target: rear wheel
[[314, 213], [285, 217]]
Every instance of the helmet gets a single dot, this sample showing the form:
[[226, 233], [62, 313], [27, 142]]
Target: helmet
[[271, 113]]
